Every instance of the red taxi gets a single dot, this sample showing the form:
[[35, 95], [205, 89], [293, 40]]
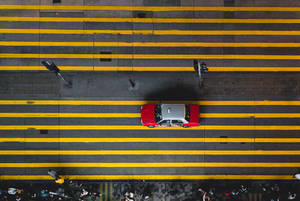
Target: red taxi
[[170, 115]]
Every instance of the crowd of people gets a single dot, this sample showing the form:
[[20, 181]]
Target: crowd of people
[[49, 193], [216, 191], [60, 189], [63, 189]]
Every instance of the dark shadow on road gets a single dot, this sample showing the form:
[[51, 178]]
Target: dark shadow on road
[[175, 92]]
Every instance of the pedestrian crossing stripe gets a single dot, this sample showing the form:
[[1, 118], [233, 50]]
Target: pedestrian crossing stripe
[[152, 32], [151, 8], [152, 68], [150, 152], [135, 127], [142, 102], [106, 191], [169, 140], [151, 177], [110, 68], [152, 56], [73, 115], [111, 189], [101, 191], [150, 20], [145, 44], [138, 115], [153, 165]]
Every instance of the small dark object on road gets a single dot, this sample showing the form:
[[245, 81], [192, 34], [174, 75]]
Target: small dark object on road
[[51, 66]]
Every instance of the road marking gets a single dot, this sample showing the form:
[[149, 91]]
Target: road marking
[[111, 191], [150, 20], [151, 56], [149, 152], [152, 32], [76, 102], [138, 115], [254, 69], [105, 191], [145, 44], [120, 140], [150, 8], [248, 115], [101, 191], [142, 102], [72, 115], [135, 127], [150, 177], [102, 68], [152, 68], [142, 165]]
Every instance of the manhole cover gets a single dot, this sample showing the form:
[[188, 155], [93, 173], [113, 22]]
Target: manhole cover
[[43, 132]]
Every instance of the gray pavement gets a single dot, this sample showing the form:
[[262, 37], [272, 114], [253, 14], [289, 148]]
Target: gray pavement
[[161, 86]]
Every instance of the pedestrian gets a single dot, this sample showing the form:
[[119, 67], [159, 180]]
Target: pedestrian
[[84, 193], [204, 195], [55, 175], [60, 180], [291, 196], [44, 193], [297, 176], [14, 191]]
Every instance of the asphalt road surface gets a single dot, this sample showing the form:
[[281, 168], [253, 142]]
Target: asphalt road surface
[[120, 55]]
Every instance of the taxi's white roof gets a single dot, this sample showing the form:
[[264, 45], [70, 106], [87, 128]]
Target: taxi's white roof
[[173, 111]]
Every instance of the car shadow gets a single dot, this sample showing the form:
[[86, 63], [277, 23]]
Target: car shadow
[[175, 92]]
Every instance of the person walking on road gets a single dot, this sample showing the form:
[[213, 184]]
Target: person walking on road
[[57, 178], [297, 176]]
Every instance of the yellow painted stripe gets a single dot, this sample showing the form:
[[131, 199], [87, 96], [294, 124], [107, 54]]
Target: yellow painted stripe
[[152, 32], [137, 115], [75, 102], [248, 115], [255, 69], [74, 31], [111, 189], [72, 115], [145, 44], [150, 56], [142, 102], [149, 152], [150, 177], [149, 20], [101, 191], [152, 68], [150, 8], [105, 191], [134, 127], [113, 165], [101, 68], [119, 140]]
